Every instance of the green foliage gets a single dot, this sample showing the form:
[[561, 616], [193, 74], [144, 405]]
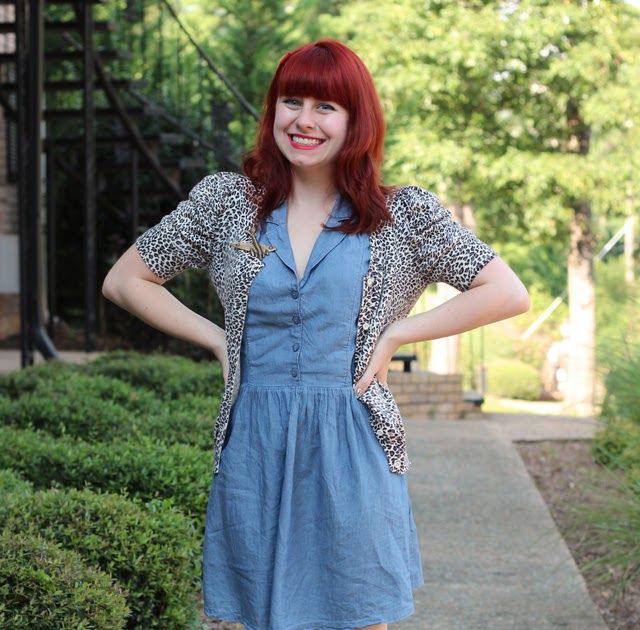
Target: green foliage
[[145, 469], [11, 482], [622, 397], [66, 407], [617, 444], [151, 551], [167, 376], [513, 379], [122, 424], [610, 529], [23, 381], [43, 587], [614, 523]]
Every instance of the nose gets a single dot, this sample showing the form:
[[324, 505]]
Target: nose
[[306, 119]]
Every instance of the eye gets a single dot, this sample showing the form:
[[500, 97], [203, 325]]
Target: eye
[[327, 107], [292, 102]]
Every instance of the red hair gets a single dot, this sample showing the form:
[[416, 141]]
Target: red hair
[[327, 70]]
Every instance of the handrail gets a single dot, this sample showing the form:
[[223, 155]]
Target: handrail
[[203, 55], [171, 119], [116, 103]]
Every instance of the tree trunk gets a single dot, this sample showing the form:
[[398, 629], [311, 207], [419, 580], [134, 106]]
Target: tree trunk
[[630, 245], [581, 360]]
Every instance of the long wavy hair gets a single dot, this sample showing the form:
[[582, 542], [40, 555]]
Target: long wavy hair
[[326, 70]]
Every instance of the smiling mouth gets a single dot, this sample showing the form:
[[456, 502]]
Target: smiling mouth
[[304, 141]]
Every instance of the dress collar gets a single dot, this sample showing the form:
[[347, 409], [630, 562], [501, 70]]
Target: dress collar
[[341, 212]]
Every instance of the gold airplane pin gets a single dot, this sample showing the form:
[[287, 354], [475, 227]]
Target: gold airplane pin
[[254, 248]]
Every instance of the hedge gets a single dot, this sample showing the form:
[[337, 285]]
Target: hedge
[[26, 380], [104, 409], [11, 481], [146, 469], [43, 587], [512, 379], [151, 551], [168, 376]]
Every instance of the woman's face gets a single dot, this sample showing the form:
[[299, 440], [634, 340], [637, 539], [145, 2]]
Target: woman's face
[[310, 132]]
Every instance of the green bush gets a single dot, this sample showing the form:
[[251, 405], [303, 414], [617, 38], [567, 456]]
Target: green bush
[[10, 481], [611, 527], [622, 397], [512, 379], [617, 444], [151, 551], [167, 376], [98, 408], [20, 382], [146, 469], [43, 587]]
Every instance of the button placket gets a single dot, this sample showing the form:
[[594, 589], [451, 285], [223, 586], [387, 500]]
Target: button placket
[[296, 320]]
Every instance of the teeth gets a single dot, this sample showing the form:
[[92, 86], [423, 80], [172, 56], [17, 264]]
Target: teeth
[[307, 141]]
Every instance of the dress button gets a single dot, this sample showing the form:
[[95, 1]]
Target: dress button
[[296, 347], [294, 372], [295, 294], [296, 319], [369, 281], [365, 326]]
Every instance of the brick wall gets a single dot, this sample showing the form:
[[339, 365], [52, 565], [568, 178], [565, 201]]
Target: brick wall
[[429, 396]]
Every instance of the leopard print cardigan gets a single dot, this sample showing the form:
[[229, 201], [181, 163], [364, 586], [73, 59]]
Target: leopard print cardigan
[[423, 245]]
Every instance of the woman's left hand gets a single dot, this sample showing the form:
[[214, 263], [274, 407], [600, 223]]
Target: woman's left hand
[[386, 347]]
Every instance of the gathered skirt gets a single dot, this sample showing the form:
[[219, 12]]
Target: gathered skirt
[[306, 526]]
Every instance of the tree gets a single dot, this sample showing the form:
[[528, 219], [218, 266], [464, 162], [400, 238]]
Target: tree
[[505, 106]]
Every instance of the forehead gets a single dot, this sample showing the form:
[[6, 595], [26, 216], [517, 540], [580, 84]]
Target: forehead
[[314, 78]]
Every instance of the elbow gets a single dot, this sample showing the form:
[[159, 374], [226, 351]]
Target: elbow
[[110, 287], [519, 301]]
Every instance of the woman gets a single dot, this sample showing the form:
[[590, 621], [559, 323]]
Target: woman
[[317, 266]]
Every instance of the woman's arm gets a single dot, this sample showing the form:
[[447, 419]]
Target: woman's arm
[[496, 293], [133, 286]]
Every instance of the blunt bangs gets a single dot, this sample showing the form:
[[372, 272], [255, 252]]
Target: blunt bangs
[[315, 72]]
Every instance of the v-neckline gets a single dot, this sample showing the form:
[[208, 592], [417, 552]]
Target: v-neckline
[[329, 220], [323, 244]]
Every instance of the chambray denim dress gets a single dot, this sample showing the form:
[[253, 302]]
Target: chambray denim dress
[[306, 526]]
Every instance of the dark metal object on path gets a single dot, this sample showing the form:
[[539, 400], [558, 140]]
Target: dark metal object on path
[[406, 360], [29, 67]]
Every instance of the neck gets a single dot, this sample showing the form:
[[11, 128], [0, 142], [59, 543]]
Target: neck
[[312, 190]]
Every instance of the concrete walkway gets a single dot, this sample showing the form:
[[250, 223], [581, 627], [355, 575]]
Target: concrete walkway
[[492, 556]]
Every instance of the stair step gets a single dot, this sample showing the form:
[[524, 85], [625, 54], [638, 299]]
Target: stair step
[[161, 138], [70, 55], [183, 164], [146, 192], [98, 26], [72, 114], [71, 86]]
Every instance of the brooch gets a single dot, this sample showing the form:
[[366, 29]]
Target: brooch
[[254, 248]]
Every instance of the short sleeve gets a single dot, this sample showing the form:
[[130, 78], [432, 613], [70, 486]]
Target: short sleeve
[[184, 238], [445, 251]]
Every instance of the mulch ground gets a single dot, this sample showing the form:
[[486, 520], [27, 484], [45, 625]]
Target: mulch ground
[[566, 475]]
